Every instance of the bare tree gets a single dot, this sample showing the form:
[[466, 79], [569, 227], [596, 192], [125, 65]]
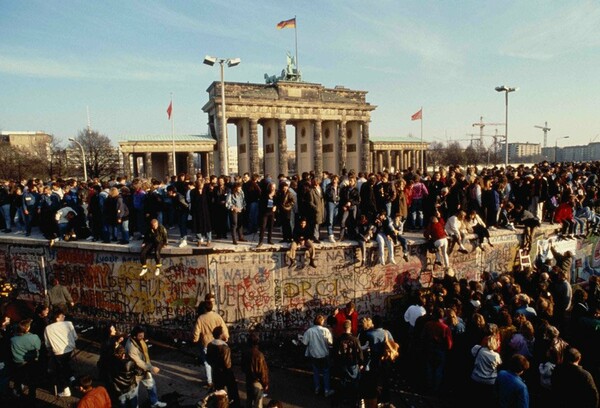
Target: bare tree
[[454, 154], [101, 157]]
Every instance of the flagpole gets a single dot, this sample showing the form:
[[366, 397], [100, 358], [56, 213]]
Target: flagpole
[[422, 151], [296, 35], [173, 137]]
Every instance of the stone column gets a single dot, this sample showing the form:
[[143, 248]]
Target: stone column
[[318, 148], [190, 164], [364, 156], [397, 161], [343, 139], [170, 163], [148, 165], [210, 161], [282, 143], [204, 164], [388, 159], [254, 162], [127, 165]]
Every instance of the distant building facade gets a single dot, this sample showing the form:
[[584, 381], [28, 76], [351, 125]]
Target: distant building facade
[[37, 143], [578, 153], [396, 154], [519, 151], [152, 156]]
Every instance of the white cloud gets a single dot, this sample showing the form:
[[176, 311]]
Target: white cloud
[[397, 34], [117, 67], [572, 28]]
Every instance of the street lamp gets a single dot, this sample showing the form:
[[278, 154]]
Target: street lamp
[[506, 90], [223, 143], [556, 145], [82, 156]]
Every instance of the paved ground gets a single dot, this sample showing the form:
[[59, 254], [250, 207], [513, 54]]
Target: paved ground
[[180, 380]]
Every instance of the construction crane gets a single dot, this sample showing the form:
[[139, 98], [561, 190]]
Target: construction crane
[[481, 124], [494, 148], [546, 129]]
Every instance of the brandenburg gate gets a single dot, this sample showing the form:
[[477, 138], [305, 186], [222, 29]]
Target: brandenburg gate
[[331, 126]]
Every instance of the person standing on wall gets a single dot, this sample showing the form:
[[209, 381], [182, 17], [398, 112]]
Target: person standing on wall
[[182, 210], [154, 240]]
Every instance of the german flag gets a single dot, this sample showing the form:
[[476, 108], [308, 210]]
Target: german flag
[[291, 23]]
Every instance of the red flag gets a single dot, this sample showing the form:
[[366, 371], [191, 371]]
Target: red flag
[[418, 115], [291, 23], [170, 109]]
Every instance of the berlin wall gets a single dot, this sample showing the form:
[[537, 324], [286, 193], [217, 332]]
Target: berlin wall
[[254, 289]]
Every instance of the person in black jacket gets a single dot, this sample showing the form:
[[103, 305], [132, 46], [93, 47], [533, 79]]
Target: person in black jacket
[[255, 367], [200, 210], [349, 201], [267, 208], [303, 236], [218, 355], [181, 213], [571, 382], [122, 382], [117, 215], [368, 206], [155, 239]]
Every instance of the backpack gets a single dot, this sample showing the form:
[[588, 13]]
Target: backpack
[[391, 349], [347, 352]]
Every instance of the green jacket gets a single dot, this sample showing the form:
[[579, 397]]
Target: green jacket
[[157, 236]]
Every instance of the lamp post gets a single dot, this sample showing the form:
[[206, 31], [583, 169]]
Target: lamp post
[[556, 145], [82, 156], [223, 143], [506, 90]]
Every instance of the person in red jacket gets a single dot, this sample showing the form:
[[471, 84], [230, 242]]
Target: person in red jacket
[[93, 397], [435, 234], [436, 342], [347, 313], [564, 215]]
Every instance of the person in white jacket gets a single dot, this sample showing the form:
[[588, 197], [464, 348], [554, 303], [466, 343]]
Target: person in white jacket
[[317, 340], [60, 339], [456, 231]]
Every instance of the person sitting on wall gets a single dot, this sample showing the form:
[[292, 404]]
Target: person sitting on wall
[[154, 240], [456, 230], [303, 235], [529, 221], [66, 220]]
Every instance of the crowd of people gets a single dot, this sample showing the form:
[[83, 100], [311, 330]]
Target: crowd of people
[[445, 204], [504, 340]]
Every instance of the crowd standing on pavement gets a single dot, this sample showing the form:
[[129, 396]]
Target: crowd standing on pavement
[[504, 340]]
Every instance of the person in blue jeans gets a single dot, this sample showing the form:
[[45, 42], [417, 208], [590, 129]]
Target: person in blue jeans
[[5, 206], [137, 350], [332, 200], [317, 340]]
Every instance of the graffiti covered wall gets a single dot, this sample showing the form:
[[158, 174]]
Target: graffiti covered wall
[[253, 289]]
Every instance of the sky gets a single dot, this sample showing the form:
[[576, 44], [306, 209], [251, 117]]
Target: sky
[[124, 58]]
